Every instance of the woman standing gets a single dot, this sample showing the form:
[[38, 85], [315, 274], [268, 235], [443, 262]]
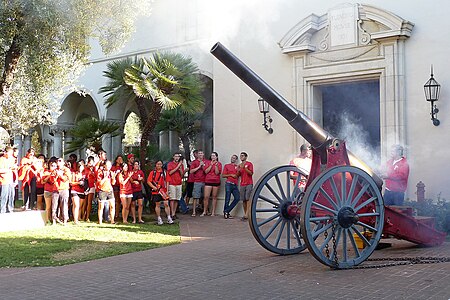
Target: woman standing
[[78, 195], [50, 191], [105, 180], [136, 183], [126, 191], [213, 169], [92, 179], [157, 182]]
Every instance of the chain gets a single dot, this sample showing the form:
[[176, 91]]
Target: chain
[[402, 261], [333, 237], [327, 250]]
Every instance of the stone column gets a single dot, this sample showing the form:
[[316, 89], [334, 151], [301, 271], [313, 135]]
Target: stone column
[[44, 147], [174, 141], [163, 140], [57, 143], [116, 145], [26, 143], [18, 142], [107, 145]]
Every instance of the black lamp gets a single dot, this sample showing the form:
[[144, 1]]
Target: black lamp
[[264, 109], [432, 89]]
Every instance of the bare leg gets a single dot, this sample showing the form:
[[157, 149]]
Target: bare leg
[[75, 207], [90, 197], [167, 208], [100, 211], [117, 198], [158, 209], [40, 202], [133, 211], [194, 204], [140, 209], [112, 209], [125, 210], [207, 192], [215, 191], [82, 210]]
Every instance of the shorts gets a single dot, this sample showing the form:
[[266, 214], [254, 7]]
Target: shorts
[[126, 195], [189, 189], [80, 195], [212, 183], [48, 194], [40, 191], [197, 192], [175, 192], [91, 190], [245, 192], [157, 198], [105, 196], [138, 195]]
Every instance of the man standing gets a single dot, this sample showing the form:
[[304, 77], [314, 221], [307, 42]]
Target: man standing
[[245, 170], [230, 172], [62, 182], [396, 178], [303, 162], [199, 179], [175, 170], [7, 169], [27, 174]]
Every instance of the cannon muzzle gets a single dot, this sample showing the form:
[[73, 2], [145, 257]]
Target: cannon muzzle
[[313, 133]]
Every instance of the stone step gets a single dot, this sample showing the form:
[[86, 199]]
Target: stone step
[[22, 220]]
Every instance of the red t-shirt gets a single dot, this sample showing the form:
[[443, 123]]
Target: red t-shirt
[[50, 185], [199, 175], [125, 185], [137, 187], [114, 169], [246, 179], [211, 176], [229, 169], [90, 174], [177, 177], [397, 175], [158, 179], [104, 185], [76, 179], [191, 175]]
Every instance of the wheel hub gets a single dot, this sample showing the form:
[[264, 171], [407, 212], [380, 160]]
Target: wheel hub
[[347, 217], [289, 210]]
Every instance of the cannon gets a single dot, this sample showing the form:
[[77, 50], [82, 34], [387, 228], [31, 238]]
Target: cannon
[[339, 214]]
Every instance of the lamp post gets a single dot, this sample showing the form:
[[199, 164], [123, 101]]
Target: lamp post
[[432, 89], [264, 109]]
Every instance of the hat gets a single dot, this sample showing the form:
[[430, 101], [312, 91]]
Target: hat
[[130, 155]]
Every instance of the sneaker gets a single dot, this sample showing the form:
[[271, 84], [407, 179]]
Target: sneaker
[[160, 221], [169, 220]]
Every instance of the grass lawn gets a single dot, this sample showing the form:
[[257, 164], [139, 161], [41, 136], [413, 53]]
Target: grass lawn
[[60, 245]]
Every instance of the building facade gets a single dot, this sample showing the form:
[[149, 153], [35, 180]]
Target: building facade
[[356, 69]]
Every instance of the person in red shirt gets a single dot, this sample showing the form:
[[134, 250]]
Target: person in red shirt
[[213, 169], [199, 178], [105, 180], [27, 170], [126, 191], [303, 162], [117, 167], [190, 183], [92, 178], [175, 170], [39, 185], [157, 182], [246, 173], [136, 184], [231, 174], [77, 191], [7, 170], [51, 194], [62, 182], [396, 177]]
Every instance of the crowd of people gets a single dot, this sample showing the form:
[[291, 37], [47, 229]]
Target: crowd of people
[[68, 189]]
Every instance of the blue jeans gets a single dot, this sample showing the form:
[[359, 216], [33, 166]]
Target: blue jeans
[[230, 189], [393, 198], [7, 198], [183, 206]]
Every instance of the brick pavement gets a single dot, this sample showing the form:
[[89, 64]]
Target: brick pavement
[[219, 259]]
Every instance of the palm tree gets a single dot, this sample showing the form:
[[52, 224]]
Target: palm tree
[[88, 133], [168, 80], [186, 124]]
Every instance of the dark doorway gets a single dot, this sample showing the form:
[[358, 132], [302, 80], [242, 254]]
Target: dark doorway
[[351, 111]]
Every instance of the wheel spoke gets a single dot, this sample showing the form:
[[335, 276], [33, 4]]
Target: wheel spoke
[[272, 229], [323, 229], [268, 220], [288, 235], [343, 188], [327, 240], [367, 226], [365, 203], [362, 237], [352, 188], [269, 187], [324, 207], [288, 185], [325, 218], [280, 187], [373, 214], [361, 192], [266, 210], [268, 200], [280, 233], [344, 243], [335, 191], [328, 197], [355, 247]]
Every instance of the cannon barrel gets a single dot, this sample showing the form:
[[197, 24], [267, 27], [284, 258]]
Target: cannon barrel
[[313, 133]]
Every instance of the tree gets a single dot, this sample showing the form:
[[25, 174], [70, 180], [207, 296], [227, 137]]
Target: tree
[[88, 134], [44, 46], [186, 124], [165, 81]]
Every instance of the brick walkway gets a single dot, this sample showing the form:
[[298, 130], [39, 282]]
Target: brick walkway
[[220, 259]]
